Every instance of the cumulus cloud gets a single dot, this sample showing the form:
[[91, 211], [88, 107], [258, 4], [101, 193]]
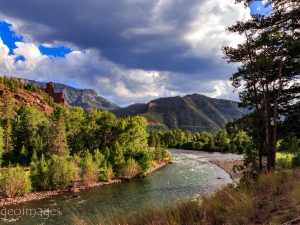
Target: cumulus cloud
[[127, 50]]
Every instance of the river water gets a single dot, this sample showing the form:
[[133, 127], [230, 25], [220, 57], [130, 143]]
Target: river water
[[189, 176]]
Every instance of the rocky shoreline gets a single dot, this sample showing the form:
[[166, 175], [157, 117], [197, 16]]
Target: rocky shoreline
[[235, 168], [34, 196]]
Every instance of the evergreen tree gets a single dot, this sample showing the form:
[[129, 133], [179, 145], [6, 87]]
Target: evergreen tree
[[60, 144], [1, 144], [118, 159], [270, 67], [7, 117]]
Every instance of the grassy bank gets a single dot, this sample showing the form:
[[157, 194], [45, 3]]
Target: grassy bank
[[273, 199]]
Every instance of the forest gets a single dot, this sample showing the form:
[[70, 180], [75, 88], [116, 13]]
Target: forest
[[67, 147]]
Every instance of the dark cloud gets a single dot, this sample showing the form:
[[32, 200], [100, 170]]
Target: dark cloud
[[104, 24]]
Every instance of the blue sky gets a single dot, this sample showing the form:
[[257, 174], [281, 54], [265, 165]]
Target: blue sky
[[133, 51]]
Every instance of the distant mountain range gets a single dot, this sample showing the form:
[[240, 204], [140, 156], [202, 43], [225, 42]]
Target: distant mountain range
[[191, 112], [85, 98]]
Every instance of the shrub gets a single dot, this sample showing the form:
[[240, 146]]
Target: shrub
[[158, 152], [15, 182], [296, 161], [61, 172], [198, 145], [145, 160], [188, 145], [39, 173], [106, 173], [89, 169], [131, 168], [99, 158], [166, 155], [31, 87], [284, 160]]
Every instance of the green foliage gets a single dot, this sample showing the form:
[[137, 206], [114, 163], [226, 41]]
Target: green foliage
[[145, 160], [131, 168], [290, 144], [59, 139], [106, 173], [221, 141], [27, 131], [89, 169], [61, 172], [39, 173], [99, 158], [14, 181], [52, 144], [118, 159], [296, 161], [12, 83], [1, 143], [284, 160], [241, 141], [31, 87]]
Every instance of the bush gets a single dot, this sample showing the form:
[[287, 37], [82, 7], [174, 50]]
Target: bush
[[198, 145], [296, 161], [106, 173], [166, 155], [284, 160], [131, 168], [15, 182], [61, 172], [89, 169], [39, 173], [99, 158], [31, 87], [145, 160], [188, 145]]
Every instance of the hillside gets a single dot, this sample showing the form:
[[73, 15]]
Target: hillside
[[191, 112], [17, 93], [85, 98]]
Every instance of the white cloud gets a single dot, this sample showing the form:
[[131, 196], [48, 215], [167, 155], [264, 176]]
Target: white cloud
[[119, 84], [6, 61], [207, 33]]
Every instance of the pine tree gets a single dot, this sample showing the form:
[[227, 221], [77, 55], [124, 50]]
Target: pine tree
[[60, 144], [8, 115], [1, 144], [270, 67]]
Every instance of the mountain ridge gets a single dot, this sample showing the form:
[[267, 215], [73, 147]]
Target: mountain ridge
[[85, 98], [193, 112], [190, 112]]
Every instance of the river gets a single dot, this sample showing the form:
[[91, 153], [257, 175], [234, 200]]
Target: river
[[189, 176]]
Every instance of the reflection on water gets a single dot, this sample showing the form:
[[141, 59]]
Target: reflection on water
[[188, 176]]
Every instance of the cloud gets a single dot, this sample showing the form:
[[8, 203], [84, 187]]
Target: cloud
[[127, 50]]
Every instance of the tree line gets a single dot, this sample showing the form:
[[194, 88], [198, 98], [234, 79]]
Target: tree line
[[220, 141]]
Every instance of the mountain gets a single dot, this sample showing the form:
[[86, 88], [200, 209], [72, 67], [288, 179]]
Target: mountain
[[191, 112], [85, 98]]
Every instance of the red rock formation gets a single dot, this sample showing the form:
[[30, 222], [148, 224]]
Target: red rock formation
[[151, 104], [58, 97]]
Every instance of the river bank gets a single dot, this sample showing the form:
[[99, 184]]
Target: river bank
[[34, 196], [235, 168]]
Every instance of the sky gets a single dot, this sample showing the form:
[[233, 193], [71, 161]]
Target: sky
[[128, 51]]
